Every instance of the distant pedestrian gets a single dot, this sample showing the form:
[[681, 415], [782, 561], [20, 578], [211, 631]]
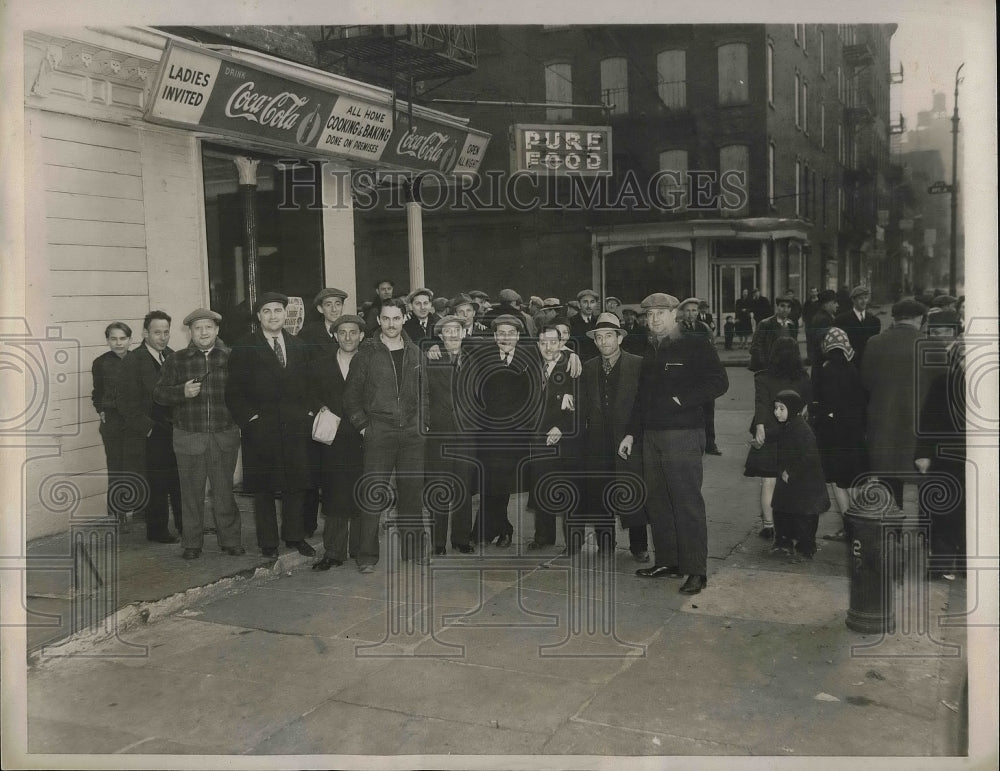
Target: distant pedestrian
[[768, 331], [729, 331], [706, 318], [858, 322], [819, 325], [744, 318], [800, 492], [760, 307], [795, 312]]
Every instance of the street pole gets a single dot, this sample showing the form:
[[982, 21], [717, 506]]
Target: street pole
[[953, 267]]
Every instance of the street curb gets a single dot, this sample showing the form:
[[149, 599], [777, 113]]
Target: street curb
[[138, 614]]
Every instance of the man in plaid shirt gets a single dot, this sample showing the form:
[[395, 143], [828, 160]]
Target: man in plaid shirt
[[206, 439]]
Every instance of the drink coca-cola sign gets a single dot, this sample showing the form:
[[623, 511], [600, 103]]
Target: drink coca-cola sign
[[228, 96]]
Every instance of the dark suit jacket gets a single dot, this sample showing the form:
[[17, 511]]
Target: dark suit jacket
[[764, 336], [315, 335], [340, 464], [858, 332], [275, 444], [605, 425], [578, 329], [416, 332], [137, 378]]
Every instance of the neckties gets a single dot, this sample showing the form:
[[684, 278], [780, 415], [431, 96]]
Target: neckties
[[607, 367], [278, 352], [161, 357]]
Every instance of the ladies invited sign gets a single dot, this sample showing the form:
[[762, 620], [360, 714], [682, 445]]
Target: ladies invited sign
[[205, 90]]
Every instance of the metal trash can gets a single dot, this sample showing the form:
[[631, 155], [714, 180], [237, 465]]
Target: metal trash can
[[870, 521]]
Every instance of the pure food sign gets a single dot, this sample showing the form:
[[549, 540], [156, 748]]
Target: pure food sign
[[562, 150], [202, 89]]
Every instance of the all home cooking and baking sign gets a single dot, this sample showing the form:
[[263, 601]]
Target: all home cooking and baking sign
[[209, 91]]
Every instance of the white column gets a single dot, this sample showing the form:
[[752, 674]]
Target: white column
[[339, 263], [415, 239], [764, 280], [702, 281]]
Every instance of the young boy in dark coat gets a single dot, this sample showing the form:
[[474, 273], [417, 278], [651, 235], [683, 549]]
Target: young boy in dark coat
[[800, 494]]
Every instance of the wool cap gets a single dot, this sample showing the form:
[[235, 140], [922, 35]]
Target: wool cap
[[512, 321], [330, 291], [270, 297], [791, 400], [201, 313], [908, 309], [348, 318], [660, 300]]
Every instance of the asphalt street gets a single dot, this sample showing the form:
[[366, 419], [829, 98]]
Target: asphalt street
[[518, 654]]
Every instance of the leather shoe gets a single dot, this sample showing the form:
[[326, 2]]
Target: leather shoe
[[640, 556], [767, 532], [659, 571], [326, 563], [713, 450], [269, 551], [303, 548], [503, 541], [191, 554], [163, 538], [441, 552], [694, 584], [464, 548], [235, 551]]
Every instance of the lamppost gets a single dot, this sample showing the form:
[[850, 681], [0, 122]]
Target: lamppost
[[953, 266]]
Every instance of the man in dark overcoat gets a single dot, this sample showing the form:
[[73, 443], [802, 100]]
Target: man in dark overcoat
[[148, 431], [268, 394], [420, 325], [342, 462], [859, 323], [609, 388]]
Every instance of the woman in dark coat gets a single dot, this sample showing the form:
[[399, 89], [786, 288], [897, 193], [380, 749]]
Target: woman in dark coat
[[941, 455], [840, 418], [744, 313], [784, 371]]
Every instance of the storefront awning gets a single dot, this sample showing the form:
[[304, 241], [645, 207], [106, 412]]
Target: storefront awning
[[239, 96]]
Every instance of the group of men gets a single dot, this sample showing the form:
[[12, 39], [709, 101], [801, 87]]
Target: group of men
[[478, 399]]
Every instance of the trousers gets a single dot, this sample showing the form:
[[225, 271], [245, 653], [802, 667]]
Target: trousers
[[208, 456]]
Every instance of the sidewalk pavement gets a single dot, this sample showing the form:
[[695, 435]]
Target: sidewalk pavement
[[514, 653]]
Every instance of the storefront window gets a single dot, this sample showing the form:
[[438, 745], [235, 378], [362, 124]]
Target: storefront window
[[288, 231]]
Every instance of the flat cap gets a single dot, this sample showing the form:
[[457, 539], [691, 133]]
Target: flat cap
[[512, 321], [587, 293], [611, 298], [441, 322], [552, 303], [659, 300], [330, 291], [942, 300], [826, 296], [908, 309], [348, 318], [860, 290], [479, 294], [945, 318], [270, 297], [607, 321], [461, 299], [689, 301], [419, 291], [509, 296], [201, 313]]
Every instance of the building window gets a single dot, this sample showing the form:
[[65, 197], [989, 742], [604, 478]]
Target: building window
[[614, 84], [734, 172], [840, 144], [812, 196], [770, 74], [822, 125], [795, 33], [798, 188], [805, 106], [770, 173], [822, 53], [671, 78], [559, 88], [802, 38], [673, 187], [806, 192], [734, 78], [798, 85]]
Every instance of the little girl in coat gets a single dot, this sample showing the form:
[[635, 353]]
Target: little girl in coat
[[800, 494]]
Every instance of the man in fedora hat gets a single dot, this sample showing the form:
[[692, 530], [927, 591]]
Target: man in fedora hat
[[463, 306], [859, 323], [585, 321], [206, 439], [679, 374], [269, 396], [609, 389]]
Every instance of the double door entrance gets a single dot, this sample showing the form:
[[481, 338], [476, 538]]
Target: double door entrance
[[729, 280]]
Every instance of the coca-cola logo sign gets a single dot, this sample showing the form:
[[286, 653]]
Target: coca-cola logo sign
[[435, 147], [279, 111]]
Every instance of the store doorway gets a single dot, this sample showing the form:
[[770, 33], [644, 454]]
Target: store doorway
[[729, 279]]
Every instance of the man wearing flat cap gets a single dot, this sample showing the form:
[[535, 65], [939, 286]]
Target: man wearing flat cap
[[679, 374], [819, 325], [318, 332], [770, 329], [859, 324], [319, 335], [269, 396], [420, 325], [584, 321], [890, 374], [206, 440], [687, 314], [340, 463], [495, 401]]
